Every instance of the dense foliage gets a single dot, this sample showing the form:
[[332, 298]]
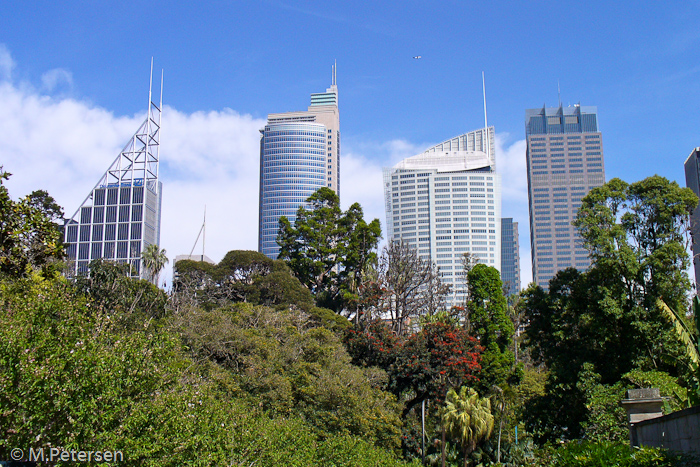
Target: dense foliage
[[587, 454], [241, 276], [30, 237], [487, 318], [591, 329], [73, 375], [328, 249]]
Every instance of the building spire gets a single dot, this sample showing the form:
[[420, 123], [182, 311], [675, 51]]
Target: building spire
[[334, 73], [486, 121], [559, 92]]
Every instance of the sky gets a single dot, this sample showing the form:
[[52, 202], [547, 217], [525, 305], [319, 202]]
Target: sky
[[74, 80]]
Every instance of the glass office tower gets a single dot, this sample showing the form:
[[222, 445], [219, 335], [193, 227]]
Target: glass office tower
[[564, 161], [510, 256], [121, 215], [446, 202], [299, 153]]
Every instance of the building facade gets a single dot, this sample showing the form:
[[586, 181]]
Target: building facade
[[121, 215], [510, 256], [692, 181], [299, 153], [564, 161], [446, 202]]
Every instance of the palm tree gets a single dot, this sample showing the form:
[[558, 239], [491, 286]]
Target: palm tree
[[154, 259], [467, 417], [690, 339]]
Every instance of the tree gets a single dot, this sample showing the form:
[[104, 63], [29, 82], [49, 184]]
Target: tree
[[110, 288], [154, 259], [488, 321], [606, 321], [421, 366], [241, 276], [29, 237], [327, 249], [411, 285], [467, 417], [637, 233]]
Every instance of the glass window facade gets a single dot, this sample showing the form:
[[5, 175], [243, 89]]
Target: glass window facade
[[292, 167], [121, 215], [299, 153], [564, 162], [447, 202], [510, 255]]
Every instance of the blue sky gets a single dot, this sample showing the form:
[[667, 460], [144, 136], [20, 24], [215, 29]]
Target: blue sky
[[74, 77]]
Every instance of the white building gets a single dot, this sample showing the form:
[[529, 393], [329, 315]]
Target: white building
[[446, 202]]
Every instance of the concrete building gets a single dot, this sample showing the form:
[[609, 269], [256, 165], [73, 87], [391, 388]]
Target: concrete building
[[692, 181], [120, 216], [564, 161], [446, 202], [510, 255], [299, 153]]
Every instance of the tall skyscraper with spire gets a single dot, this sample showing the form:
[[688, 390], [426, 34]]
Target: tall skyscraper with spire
[[120, 216], [564, 161], [299, 153]]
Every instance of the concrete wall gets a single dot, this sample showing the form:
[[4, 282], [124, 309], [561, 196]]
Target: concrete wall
[[679, 431]]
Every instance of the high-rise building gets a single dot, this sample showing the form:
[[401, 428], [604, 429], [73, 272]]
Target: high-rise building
[[446, 202], [510, 255], [692, 181], [121, 215], [299, 153], [564, 161]]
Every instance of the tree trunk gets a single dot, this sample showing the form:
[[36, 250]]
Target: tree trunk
[[442, 446]]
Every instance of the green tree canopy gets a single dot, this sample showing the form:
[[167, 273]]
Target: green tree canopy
[[488, 321], [29, 237], [241, 276], [328, 249], [606, 321]]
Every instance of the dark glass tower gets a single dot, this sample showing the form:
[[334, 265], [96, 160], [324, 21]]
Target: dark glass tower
[[510, 255], [564, 161]]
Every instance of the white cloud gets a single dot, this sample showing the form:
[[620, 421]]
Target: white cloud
[[57, 79], [7, 64]]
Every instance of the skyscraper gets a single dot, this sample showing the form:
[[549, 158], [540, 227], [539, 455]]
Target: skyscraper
[[446, 202], [692, 181], [510, 255], [299, 153], [564, 161], [121, 215]]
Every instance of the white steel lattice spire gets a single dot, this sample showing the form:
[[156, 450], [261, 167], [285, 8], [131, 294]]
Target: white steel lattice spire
[[120, 217]]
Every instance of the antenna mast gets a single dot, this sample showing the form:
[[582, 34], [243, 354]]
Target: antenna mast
[[559, 93], [202, 233], [486, 122]]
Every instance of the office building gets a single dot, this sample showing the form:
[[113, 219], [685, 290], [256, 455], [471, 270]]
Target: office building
[[564, 161], [120, 216], [299, 153], [446, 202], [510, 256], [692, 181]]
